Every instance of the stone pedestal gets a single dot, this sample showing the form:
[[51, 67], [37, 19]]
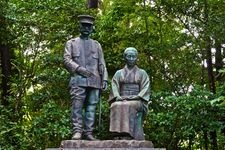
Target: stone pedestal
[[106, 145]]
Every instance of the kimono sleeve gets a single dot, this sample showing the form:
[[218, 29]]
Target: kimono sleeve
[[144, 86], [115, 89]]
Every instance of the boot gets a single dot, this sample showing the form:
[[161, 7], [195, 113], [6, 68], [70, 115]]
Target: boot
[[77, 136], [90, 137]]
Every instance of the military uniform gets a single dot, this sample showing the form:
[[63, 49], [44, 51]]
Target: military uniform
[[84, 91]]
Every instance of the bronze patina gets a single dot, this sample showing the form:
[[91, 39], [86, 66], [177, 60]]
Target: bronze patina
[[129, 98], [83, 58]]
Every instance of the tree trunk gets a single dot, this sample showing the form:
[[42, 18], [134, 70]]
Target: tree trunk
[[206, 141], [211, 80], [92, 3], [6, 70], [190, 143], [219, 61]]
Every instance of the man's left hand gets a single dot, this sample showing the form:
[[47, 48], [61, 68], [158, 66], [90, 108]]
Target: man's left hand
[[104, 85]]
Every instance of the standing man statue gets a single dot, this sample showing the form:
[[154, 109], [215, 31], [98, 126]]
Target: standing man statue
[[83, 58], [129, 99]]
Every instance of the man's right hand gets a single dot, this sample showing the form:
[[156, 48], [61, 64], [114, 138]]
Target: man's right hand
[[83, 71]]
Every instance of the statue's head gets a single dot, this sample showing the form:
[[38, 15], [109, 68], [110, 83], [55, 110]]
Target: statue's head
[[86, 24], [130, 55]]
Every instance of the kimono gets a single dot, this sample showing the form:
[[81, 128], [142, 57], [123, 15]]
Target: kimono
[[126, 116]]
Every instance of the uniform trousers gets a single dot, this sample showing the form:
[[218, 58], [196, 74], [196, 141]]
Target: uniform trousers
[[84, 101]]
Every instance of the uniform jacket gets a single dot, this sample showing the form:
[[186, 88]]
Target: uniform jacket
[[88, 54]]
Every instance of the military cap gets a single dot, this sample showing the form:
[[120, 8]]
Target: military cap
[[86, 19]]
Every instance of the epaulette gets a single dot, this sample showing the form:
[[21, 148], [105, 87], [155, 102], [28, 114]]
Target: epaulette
[[96, 41], [74, 39]]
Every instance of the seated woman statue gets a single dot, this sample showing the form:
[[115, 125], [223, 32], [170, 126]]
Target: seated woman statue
[[129, 99]]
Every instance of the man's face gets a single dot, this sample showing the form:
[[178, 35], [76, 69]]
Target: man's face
[[86, 29], [130, 58]]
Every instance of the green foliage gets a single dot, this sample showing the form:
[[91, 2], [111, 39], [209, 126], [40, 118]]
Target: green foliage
[[7, 126], [170, 37], [177, 122], [51, 124], [163, 47], [45, 128]]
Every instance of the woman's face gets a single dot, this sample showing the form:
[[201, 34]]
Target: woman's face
[[130, 58]]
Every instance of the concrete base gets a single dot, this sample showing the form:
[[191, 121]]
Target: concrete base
[[105, 149], [106, 145]]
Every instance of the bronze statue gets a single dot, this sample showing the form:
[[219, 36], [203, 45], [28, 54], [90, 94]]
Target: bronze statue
[[83, 58], [129, 99]]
